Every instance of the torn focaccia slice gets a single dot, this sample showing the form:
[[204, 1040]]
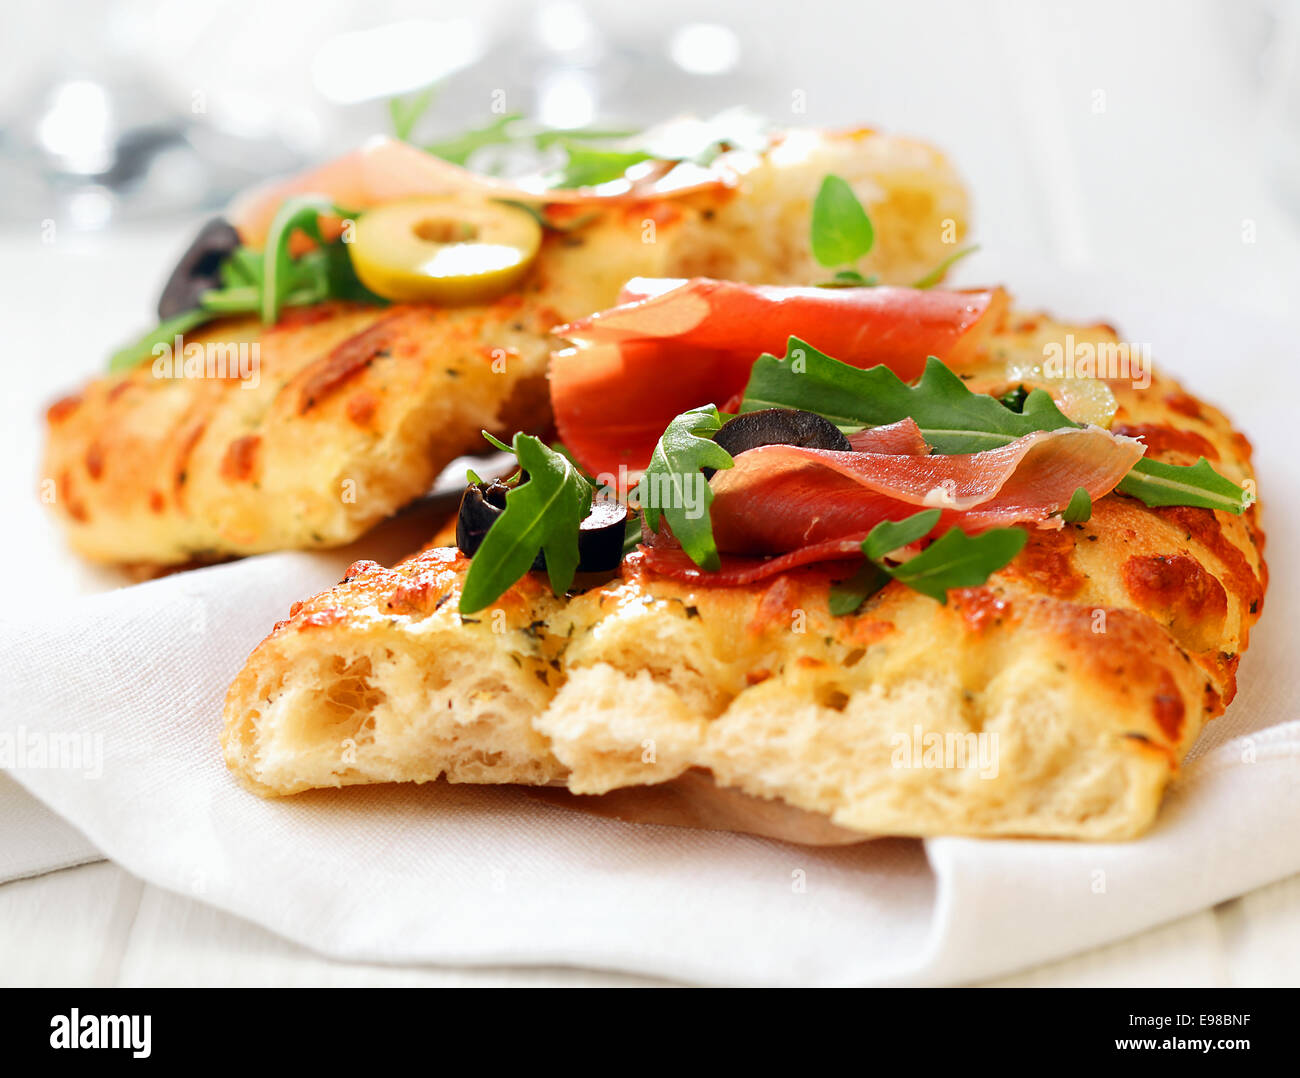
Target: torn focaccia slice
[[1083, 671], [350, 411]]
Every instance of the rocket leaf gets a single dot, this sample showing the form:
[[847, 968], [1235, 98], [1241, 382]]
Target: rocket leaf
[[954, 560], [953, 419], [958, 560], [841, 230], [543, 513], [674, 487]]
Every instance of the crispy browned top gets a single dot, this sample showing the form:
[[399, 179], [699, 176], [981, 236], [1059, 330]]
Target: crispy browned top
[[1148, 608]]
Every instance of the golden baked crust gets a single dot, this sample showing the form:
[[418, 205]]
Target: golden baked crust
[[355, 410], [1090, 665]]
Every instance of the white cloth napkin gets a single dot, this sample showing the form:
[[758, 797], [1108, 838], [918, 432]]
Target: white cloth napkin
[[485, 875], [472, 875]]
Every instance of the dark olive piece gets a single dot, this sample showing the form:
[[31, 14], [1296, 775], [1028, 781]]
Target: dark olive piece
[[600, 536], [779, 426], [199, 268], [480, 506]]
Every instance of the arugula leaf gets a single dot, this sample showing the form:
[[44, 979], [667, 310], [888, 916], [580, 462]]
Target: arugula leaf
[[848, 595], [542, 514], [296, 215], [265, 282], [1079, 509], [339, 277], [544, 140], [955, 420], [406, 113], [841, 230], [1015, 398], [588, 166], [937, 274], [958, 560], [631, 534], [952, 418], [884, 538], [242, 268], [685, 448], [954, 560], [1155, 483], [496, 132], [890, 535], [458, 148], [164, 333], [849, 278]]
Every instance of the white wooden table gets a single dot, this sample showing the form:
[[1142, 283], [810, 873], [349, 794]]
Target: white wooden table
[[98, 925], [1106, 135]]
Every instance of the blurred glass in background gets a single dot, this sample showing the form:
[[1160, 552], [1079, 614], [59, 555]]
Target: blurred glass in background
[[123, 109], [1125, 135]]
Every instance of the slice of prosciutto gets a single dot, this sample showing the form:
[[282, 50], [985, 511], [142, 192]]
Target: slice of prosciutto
[[386, 169], [902, 437], [782, 506], [676, 345]]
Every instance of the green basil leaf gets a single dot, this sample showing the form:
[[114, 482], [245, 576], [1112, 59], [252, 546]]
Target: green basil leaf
[[841, 230], [673, 485], [1079, 509], [1155, 483], [958, 560], [541, 514]]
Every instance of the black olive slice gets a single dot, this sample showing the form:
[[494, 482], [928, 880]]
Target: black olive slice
[[480, 506], [198, 270], [779, 426], [600, 536]]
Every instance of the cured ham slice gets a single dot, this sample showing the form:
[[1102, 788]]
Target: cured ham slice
[[668, 559], [681, 344], [901, 437], [811, 505], [386, 169]]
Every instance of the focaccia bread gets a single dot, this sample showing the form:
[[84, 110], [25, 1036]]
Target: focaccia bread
[[354, 410], [1083, 671]]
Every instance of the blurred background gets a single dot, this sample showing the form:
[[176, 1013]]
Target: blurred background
[[1124, 156], [1156, 140]]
